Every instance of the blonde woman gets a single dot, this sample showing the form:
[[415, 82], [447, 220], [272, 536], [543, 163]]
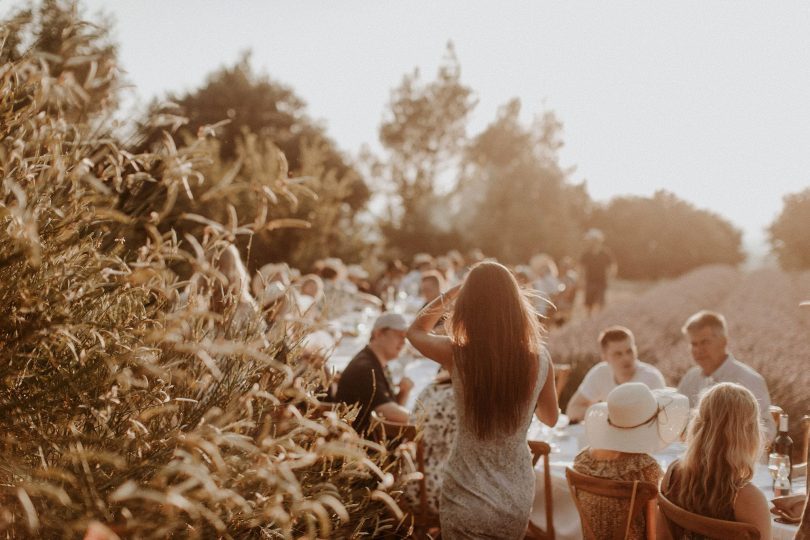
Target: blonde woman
[[714, 477], [501, 374]]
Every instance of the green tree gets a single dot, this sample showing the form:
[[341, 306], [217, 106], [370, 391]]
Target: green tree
[[423, 133], [663, 236], [515, 199], [253, 114], [789, 234]]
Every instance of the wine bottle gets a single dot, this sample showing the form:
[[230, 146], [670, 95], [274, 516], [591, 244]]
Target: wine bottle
[[783, 444]]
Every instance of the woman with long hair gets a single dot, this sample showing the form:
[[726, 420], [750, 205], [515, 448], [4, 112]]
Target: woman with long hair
[[713, 478], [501, 374]]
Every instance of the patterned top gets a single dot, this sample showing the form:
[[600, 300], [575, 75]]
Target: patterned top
[[488, 485], [437, 411], [606, 514]]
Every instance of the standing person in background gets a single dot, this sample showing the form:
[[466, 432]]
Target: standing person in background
[[598, 265], [501, 374]]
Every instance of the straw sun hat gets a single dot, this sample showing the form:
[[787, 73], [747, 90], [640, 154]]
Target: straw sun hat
[[636, 419]]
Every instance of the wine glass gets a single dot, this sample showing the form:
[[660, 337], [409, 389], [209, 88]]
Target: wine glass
[[774, 461]]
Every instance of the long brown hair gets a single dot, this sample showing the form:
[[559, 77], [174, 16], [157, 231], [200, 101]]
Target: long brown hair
[[722, 447], [496, 337]]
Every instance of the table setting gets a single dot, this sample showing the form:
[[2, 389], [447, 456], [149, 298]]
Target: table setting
[[566, 442]]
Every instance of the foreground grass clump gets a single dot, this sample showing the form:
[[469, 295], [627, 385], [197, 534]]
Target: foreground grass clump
[[126, 395]]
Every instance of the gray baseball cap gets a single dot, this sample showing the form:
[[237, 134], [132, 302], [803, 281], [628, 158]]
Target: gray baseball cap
[[392, 320]]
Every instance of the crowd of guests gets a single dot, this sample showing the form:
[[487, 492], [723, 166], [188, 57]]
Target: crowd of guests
[[482, 323], [495, 373]]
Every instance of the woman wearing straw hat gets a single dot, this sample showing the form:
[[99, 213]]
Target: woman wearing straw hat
[[622, 433]]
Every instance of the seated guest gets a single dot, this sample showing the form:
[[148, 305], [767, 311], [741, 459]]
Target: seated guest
[[437, 411], [622, 433], [431, 285], [364, 382], [708, 336], [713, 478], [429, 289], [619, 365]]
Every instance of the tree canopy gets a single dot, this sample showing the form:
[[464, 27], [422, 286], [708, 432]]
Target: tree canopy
[[789, 234], [663, 236]]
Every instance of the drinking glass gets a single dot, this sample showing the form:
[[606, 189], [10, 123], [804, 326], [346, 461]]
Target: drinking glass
[[774, 461]]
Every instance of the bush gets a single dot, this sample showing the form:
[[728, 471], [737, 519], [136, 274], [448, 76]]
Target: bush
[[663, 236], [789, 234]]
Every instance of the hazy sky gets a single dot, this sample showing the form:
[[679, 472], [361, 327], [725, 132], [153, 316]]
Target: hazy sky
[[710, 100]]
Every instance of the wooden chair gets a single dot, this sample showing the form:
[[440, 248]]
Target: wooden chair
[[561, 374], [424, 520], [640, 496], [542, 449], [679, 520]]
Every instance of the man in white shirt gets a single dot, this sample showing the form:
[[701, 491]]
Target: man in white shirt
[[620, 364], [708, 338]]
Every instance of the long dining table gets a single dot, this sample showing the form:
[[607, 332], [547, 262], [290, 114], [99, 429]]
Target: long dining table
[[567, 442]]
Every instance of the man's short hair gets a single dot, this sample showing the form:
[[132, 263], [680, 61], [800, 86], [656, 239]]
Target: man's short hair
[[706, 319], [435, 277], [612, 334]]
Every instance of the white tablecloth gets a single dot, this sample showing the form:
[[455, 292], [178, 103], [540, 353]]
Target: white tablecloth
[[564, 450]]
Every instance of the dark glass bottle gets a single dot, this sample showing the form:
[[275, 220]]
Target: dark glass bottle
[[783, 444]]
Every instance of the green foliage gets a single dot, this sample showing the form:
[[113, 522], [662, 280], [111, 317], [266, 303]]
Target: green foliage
[[124, 397], [664, 236], [515, 199], [423, 135], [789, 234], [254, 115]]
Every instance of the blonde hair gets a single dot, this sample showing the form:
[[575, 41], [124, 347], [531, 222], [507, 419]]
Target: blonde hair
[[723, 444], [497, 338]]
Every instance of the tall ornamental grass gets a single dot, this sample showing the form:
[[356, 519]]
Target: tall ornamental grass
[[125, 398]]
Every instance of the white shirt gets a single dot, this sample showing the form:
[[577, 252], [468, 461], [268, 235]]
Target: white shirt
[[694, 382], [599, 381]]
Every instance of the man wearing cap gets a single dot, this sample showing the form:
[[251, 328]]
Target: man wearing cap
[[364, 382], [708, 338], [620, 364]]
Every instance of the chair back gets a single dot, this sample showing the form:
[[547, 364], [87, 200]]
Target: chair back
[[542, 449], [679, 520], [639, 494]]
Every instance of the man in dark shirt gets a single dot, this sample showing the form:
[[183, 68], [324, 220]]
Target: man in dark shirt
[[597, 265], [364, 382]]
